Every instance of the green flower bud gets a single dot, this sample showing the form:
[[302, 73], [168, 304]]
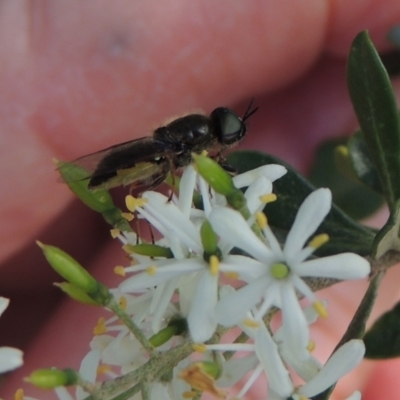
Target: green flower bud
[[51, 378], [151, 250], [214, 175], [69, 268], [77, 179], [98, 200], [76, 293], [174, 328]]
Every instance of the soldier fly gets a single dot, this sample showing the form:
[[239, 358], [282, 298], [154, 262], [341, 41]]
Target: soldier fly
[[145, 163]]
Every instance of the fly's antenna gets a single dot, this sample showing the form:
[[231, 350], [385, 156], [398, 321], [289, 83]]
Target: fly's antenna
[[249, 112]]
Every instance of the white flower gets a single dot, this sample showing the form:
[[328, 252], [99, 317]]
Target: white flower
[[266, 358], [345, 359], [278, 271], [195, 279], [10, 357]]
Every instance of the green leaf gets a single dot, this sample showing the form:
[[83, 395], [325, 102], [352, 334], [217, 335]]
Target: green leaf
[[375, 105], [362, 163], [388, 238], [354, 198], [383, 339], [99, 200], [292, 189]]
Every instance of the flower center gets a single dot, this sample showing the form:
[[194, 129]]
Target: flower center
[[280, 270]]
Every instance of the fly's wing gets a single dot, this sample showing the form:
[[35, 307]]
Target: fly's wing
[[140, 162]]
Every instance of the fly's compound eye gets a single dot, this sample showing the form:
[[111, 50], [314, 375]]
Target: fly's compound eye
[[228, 126]]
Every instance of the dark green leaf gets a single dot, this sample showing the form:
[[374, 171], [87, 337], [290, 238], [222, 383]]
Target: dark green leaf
[[388, 238], [292, 189], [375, 105], [355, 199], [361, 162], [383, 339]]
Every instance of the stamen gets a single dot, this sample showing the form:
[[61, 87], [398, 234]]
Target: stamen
[[103, 369], [119, 270], [204, 153], [232, 275], [101, 327], [19, 394], [268, 198], [320, 309], [128, 216], [115, 233], [311, 346], [123, 302], [214, 265], [132, 202], [280, 270], [318, 240], [152, 270], [251, 323], [199, 347], [189, 395], [261, 219], [128, 249]]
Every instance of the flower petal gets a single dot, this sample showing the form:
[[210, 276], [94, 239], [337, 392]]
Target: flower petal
[[295, 332], [232, 308], [346, 358], [10, 358], [270, 171], [201, 319], [232, 228], [4, 302], [267, 352], [247, 268], [186, 188], [340, 266], [170, 270], [309, 216], [258, 188]]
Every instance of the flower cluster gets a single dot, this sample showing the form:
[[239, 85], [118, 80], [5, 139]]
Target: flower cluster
[[184, 275], [214, 267]]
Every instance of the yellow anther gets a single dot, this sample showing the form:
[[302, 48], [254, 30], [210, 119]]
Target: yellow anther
[[101, 327], [196, 376], [251, 323], [127, 248], [311, 346], [19, 394], [199, 347], [261, 219], [115, 233], [318, 240], [232, 275], [303, 397], [128, 216], [151, 270], [123, 302], [214, 265], [320, 309], [342, 150], [204, 153], [132, 202], [119, 270], [188, 395], [103, 369], [268, 198]]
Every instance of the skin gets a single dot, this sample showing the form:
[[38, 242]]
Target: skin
[[75, 79]]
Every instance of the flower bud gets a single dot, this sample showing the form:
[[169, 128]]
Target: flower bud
[[76, 293], [51, 378]]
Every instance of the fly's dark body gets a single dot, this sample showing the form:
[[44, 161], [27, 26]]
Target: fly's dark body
[[144, 163]]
